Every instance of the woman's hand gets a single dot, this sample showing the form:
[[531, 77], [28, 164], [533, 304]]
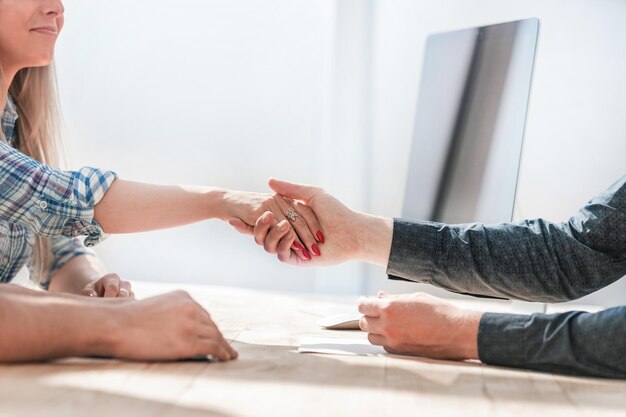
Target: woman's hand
[[166, 327], [351, 235], [109, 286], [297, 224], [420, 325]]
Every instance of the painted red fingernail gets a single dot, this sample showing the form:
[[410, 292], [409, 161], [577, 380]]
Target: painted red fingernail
[[316, 250], [320, 236], [306, 254], [298, 246]]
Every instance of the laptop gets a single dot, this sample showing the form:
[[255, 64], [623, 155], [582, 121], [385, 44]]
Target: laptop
[[469, 125]]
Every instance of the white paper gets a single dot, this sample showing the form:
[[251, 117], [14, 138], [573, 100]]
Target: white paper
[[332, 346]]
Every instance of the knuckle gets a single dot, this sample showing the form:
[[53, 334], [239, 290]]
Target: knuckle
[[388, 308], [113, 276], [182, 296], [187, 306], [268, 247], [306, 210], [283, 256], [180, 293]]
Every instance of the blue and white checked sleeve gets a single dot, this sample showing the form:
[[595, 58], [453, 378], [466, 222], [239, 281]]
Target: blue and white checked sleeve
[[50, 201], [64, 249]]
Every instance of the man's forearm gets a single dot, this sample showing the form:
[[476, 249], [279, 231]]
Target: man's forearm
[[37, 325]]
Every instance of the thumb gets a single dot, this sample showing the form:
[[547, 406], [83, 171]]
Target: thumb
[[292, 190], [241, 226]]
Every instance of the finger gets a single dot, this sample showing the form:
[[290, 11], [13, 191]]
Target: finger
[[241, 226], [301, 251], [111, 287], [299, 224], [369, 306], [292, 190], [311, 220], [370, 324], [284, 247], [275, 235], [124, 289], [233, 353], [376, 339], [212, 347], [262, 227], [209, 330], [99, 287]]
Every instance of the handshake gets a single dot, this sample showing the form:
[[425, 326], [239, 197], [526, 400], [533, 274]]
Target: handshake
[[306, 226]]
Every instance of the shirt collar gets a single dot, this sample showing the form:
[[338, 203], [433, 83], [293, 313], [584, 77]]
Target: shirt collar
[[9, 118]]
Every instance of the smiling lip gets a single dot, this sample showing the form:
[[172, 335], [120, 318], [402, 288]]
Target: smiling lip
[[46, 30]]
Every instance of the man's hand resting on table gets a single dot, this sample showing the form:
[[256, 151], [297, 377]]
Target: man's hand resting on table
[[39, 325], [167, 327], [421, 325]]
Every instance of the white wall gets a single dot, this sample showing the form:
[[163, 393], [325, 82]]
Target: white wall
[[231, 92], [197, 92]]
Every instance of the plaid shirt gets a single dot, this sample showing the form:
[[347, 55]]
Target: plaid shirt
[[38, 200]]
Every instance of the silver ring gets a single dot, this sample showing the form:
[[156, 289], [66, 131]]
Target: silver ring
[[126, 291], [292, 215]]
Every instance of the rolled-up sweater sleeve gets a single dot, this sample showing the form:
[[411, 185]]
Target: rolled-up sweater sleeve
[[50, 201], [574, 343], [534, 260]]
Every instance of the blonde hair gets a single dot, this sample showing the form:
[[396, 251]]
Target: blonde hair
[[34, 91]]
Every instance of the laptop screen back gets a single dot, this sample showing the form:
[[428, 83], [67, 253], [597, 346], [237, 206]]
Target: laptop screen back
[[469, 124]]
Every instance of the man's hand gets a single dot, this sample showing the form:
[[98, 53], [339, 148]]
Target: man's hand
[[167, 327], [39, 325], [110, 286], [421, 325], [348, 235]]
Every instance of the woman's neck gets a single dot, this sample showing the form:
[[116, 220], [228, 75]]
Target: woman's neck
[[8, 76]]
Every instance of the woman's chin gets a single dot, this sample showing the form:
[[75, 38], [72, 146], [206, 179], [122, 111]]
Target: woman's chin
[[42, 58], [42, 62]]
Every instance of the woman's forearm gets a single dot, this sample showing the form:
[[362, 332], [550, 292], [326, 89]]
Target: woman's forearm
[[76, 274], [37, 326], [130, 207]]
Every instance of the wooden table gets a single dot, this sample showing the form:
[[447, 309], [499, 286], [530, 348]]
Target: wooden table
[[272, 379]]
